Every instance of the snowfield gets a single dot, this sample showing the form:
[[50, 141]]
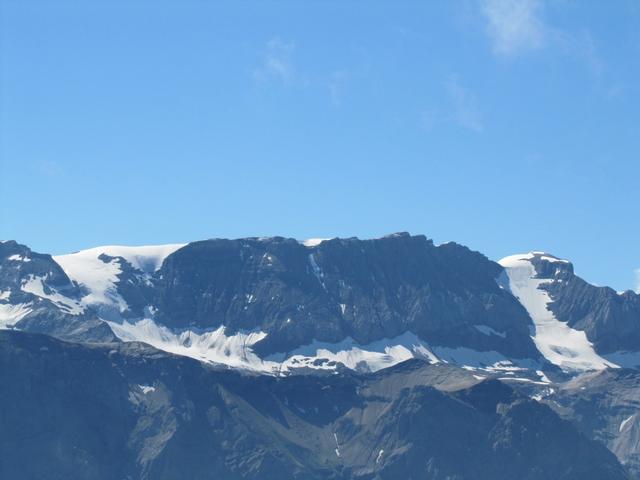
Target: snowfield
[[100, 278], [560, 344], [236, 351]]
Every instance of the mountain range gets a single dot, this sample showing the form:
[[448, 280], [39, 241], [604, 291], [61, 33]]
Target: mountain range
[[327, 358]]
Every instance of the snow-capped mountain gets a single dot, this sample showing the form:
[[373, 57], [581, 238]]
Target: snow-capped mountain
[[352, 357], [273, 305], [560, 344], [577, 326]]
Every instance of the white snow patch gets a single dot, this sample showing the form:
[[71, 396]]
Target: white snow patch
[[337, 450], [317, 271], [488, 360], [212, 347], [237, 350], [35, 285], [313, 242], [147, 389], [625, 422], [521, 379], [379, 457], [487, 330], [12, 314], [4, 295], [560, 344], [545, 256], [543, 394], [370, 357], [147, 259], [18, 258], [100, 278], [542, 376]]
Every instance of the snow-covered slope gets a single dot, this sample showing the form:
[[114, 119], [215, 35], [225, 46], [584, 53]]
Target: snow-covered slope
[[12, 314], [99, 276], [147, 259], [561, 345], [401, 297], [237, 351], [37, 286], [313, 242]]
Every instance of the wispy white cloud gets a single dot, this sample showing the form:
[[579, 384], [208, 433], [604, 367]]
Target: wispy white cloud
[[466, 112], [514, 26], [277, 62]]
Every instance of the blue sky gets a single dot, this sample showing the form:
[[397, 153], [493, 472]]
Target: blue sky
[[506, 126]]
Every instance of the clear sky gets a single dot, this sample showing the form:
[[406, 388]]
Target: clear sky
[[506, 126]]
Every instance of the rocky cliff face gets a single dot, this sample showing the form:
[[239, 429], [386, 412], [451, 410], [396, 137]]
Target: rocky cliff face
[[37, 296], [367, 290], [290, 295], [610, 319], [604, 406]]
